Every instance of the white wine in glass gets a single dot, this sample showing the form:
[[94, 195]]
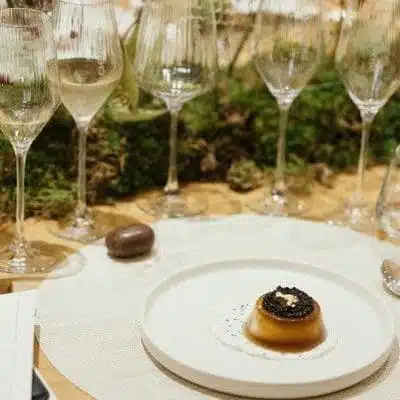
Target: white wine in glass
[[85, 83], [29, 95], [90, 63]]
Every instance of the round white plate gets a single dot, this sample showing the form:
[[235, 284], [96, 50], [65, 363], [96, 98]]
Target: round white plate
[[184, 314]]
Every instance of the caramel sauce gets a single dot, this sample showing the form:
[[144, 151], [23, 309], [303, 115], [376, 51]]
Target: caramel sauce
[[283, 348]]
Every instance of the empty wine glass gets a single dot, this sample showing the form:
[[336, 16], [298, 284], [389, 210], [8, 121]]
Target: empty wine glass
[[388, 204], [29, 95], [90, 63], [288, 46], [176, 61], [367, 58]]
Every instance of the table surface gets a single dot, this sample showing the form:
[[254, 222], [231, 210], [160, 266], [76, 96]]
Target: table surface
[[221, 199], [323, 202]]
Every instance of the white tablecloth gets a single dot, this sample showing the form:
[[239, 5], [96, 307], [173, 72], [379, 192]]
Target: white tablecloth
[[90, 321]]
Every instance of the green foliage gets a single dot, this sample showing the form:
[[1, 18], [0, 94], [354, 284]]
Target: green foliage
[[244, 175], [128, 145]]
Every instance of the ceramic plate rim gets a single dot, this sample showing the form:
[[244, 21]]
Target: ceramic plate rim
[[226, 384]]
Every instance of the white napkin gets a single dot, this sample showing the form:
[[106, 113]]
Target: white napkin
[[16, 344]]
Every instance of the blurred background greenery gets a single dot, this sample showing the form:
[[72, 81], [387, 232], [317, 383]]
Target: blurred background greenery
[[228, 135]]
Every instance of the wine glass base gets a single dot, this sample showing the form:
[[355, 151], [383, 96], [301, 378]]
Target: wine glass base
[[389, 222], [80, 229], [173, 206], [94, 226], [278, 206], [360, 219], [38, 259]]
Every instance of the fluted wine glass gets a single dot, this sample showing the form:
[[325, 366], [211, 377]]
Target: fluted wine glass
[[90, 62], [29, 95], [176, 61], [367, 58], [288, 47]]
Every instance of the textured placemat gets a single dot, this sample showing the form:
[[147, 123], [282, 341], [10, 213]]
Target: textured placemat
[[90, 322]]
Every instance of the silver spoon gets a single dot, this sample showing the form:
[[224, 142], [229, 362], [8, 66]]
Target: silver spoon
[[391, 276]]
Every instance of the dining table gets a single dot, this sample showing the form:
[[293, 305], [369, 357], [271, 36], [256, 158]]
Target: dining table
[[323, 199], [222, 201]]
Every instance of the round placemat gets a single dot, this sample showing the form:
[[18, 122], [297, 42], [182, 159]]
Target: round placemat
[[90, 323]]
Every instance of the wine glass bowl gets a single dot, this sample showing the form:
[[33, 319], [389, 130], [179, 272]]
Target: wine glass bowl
[[367, 60], [175, 61], [29, 95], [288, 47], [288, 63], [85, 84], [91, 65]]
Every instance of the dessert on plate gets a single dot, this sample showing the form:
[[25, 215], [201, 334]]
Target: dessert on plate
[[286, 318]]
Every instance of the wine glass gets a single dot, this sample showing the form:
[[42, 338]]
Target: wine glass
[[388, 204], [29, 95], [176, 61], [367, 60], [90, 62], [288, 47]]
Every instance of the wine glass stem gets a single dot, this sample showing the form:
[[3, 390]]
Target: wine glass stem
[[21, 158], [172, 186], [280, 184], [81, 208], [367, 118]]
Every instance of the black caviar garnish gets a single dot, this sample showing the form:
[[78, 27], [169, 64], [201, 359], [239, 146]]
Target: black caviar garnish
[[278, 306]]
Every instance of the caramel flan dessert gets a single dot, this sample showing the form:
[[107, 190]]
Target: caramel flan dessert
[[286, 319]]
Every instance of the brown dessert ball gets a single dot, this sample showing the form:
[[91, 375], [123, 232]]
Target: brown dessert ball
[[130, 241]]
